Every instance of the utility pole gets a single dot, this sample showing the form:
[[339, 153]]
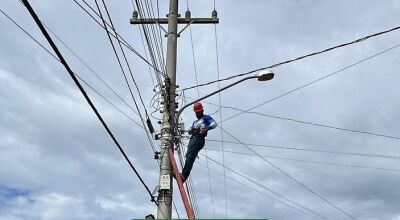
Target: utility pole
[[167, 126], [167, 137]]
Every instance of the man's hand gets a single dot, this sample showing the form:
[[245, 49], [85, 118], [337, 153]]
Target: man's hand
[[203, 130], [196, 126]]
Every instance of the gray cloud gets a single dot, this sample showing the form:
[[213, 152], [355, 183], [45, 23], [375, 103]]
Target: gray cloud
[[56, 161]]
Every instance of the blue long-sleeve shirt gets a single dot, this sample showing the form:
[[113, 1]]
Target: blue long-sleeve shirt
[[206, 122]]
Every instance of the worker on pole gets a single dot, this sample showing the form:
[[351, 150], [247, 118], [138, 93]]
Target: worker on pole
[[198, 132]]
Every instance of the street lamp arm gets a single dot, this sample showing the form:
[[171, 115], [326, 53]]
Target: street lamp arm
[[211, 94]]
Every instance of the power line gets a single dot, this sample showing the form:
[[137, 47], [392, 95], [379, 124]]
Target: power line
[[303, 208], [314, 81], [194, 61], [264, 187], [34, 39], [301, 57], [149, 40], [62, 60], [189, 182], [198, 95], [126, 60], [116, 36], [189, 185], [123, 41], [292, 178], [88, 67], [159, 83], [220, 113], [92, 71], [256, 190], [308, 161], [209, 183], [313, 150], [120, 65], [77, 75], [304, 122], [146, 54], [156, 37], [158, 78], [105, 99]]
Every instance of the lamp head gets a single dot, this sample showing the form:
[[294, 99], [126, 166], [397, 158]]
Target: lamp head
[[265, 75]]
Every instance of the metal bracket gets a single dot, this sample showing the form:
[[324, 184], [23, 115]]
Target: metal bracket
[[191, 22], [165, 31]]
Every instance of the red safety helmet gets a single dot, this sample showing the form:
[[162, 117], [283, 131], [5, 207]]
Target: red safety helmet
[[197, 107]]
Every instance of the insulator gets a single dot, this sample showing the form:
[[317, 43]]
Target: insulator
[[214, 14], [187, 14], [135, 14]]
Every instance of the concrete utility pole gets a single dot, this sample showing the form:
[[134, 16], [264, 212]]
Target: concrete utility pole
[[167, 127], [164, 198]]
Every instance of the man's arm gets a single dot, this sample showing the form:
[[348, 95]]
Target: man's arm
[[211, 123]]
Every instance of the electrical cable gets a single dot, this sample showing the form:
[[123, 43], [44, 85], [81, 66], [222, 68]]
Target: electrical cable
[[304, 122], [149, 41], [190, 185], [220, 113], [157, 37], [303, 208], [314, 150], [77, 75], [198, 95], [300, 58], [308, 161], [62, 60], [258, 191], [88, 67], [126, 60], [123, 71], [209, 183], [194, 61], [292, 178], [315, 81], [124, 42], [159, 81], [189, 182]]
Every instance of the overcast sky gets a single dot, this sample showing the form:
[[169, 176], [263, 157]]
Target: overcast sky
[[57, 161]]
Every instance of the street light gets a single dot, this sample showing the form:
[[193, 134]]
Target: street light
[[263, 75]]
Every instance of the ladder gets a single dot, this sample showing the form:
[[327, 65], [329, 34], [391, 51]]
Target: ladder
[[178, 178]]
